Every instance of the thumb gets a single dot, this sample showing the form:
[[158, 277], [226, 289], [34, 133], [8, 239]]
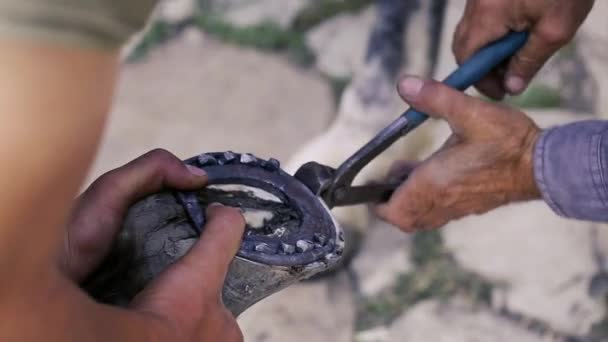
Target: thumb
[[438, 100], [196, 280], [211, 256]]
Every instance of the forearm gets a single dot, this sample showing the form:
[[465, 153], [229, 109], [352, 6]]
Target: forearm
[[58, 63], [54, 104], [571, 170]]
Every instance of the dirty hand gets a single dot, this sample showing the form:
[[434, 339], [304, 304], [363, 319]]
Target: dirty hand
[[552, 24], [184, 303], [486, 162]]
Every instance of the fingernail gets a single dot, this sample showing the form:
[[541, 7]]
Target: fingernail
[[196, 171], [219, 205], [515, 84], [410, 86], [211, 207]]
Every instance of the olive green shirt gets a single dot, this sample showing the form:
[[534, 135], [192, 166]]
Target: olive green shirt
[[102, 24]]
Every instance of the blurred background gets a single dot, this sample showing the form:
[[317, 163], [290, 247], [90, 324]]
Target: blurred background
[[267, 76]]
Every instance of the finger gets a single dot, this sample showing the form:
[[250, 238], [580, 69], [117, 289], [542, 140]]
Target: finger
[[150, 173], [461, 111], [389, 213], [400, 170], [192, 286], [210, 257], [531, 58], [470, 36], [436, 219], [102, 207], [556, 28], [492, 87], [111, 194], [407, 205]]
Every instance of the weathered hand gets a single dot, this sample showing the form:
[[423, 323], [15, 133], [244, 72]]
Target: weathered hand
[[184, 303], [100, 210], [552, 24], [486, 162]]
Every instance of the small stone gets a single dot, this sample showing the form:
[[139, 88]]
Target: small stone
[[248, 289], [247, 158], [320, 238], [207, 160], [272, 165], [287, 248], [303, 246], [264, 248]]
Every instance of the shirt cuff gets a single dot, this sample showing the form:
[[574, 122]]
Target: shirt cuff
[[570, 169], [98, 24]]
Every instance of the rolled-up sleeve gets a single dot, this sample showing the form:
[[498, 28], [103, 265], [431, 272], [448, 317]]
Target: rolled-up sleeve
[[571, 171], [104, 24]]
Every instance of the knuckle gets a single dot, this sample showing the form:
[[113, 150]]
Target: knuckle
[[399, 216], [160, 163], [436, 224], [158, 152], [113, 179], [477, 110], [409, 220], [526, 64], [432, 90], [487, 6], [160, 156], [407, 226], [555, 35], [442, 192], [423, 226], [459, 40]]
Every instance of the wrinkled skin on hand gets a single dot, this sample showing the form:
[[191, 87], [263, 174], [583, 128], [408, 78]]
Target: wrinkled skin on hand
[[184, 302], [485, 163], [552, 24]]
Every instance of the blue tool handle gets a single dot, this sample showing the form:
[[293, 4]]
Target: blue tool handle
[[476, 68]]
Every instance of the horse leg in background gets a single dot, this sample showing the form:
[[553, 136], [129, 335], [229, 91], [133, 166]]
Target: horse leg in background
[[369, 103]]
